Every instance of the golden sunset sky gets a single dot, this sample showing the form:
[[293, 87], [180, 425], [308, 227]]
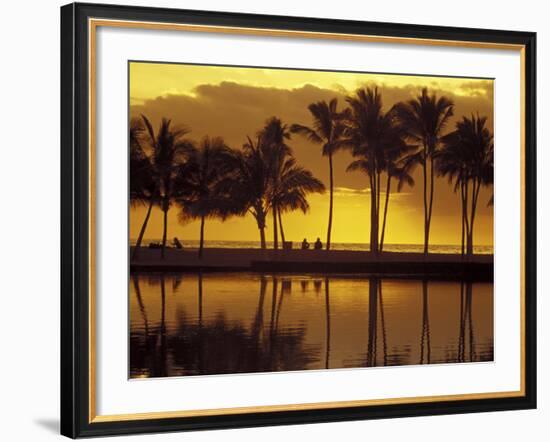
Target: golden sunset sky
[[234, 102]]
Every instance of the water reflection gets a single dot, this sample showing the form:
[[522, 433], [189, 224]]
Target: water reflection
[[241, 323]]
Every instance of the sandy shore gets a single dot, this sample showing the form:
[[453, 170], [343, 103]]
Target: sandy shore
[[345, 261]]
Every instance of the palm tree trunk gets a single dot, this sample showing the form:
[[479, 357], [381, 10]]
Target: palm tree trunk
[[381, 245], [275, 229], [465, 213], [376, 212], [164, 232], [373, 216], [430, 207], [281, 227], [469, 248], [378, 174], [377, 216], [201, 244], [331, 195], [475, 194], [260, 220], [262, 238], [462, 218], [327, 310], [135, 254], [425, 178]]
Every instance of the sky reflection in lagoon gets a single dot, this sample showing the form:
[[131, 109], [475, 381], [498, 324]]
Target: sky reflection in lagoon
[[191, 324]]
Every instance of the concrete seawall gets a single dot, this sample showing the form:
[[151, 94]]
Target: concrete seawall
[[417, 265]]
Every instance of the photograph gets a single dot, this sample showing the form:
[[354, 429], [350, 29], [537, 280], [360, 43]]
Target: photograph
[[295, 219], [277, 220]]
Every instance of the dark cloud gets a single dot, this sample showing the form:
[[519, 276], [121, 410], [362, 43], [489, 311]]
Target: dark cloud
[[233, 111]]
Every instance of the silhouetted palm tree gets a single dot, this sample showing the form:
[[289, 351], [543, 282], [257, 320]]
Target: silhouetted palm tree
[[397, 166], [327, 131], [276, 153], [376, 141], [200, 192], [452, 162], [169, 148], [425, 341], [467, 159], [265, 178], [289, 184], [143, 186], [249, 188], [425, 118], [293, 185]]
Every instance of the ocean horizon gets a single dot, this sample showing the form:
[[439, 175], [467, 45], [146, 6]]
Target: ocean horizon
[[405, 248]]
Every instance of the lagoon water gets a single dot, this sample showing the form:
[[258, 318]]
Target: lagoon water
[[192, 324]]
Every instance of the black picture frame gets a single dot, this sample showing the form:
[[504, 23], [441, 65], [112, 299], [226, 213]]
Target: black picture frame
[[75, 220]]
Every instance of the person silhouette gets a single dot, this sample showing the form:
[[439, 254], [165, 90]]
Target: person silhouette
[[176, 242], [305, 244], [318, 244]]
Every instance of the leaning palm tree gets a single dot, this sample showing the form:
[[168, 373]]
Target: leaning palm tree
[[264, 177], [327, 130], [168, 150], [294, 184], [248, 187], [399, 171], [467, 158], [425, 118], [199, 190], [143, 185]]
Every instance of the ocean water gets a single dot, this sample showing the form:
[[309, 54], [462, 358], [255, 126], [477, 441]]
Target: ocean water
[[409, 248]]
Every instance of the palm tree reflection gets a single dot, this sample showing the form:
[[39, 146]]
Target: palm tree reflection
[[201, 346], [186, 340], [425, 345], [383, 324], [273, 308], [216, 345], [162, 361], [327, 322], [258, 324], [373, 316], [137, 290], [466, 336]]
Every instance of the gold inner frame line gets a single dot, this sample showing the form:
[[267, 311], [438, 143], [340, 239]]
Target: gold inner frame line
[[93, 24]]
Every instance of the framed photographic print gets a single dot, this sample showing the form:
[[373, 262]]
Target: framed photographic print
[[279, 220]]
